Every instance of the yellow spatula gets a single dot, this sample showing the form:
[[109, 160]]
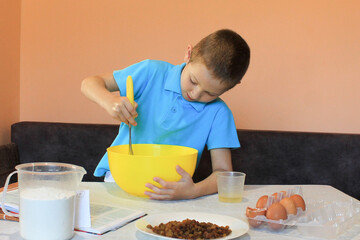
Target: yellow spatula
[[130, 96]]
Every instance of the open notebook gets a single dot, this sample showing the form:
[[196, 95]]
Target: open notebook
[[106, 218]]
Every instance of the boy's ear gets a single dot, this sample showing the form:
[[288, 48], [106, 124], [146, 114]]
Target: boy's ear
[[188, 54]]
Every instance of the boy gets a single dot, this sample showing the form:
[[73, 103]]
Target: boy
[[178, 105]]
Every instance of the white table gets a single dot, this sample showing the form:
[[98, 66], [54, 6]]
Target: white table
[[110, 193]]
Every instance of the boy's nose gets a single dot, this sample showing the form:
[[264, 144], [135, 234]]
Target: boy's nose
[[196, 93]]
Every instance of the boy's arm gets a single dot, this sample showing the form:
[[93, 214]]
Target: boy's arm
[[221, 161], [99, 88], [186, 188]]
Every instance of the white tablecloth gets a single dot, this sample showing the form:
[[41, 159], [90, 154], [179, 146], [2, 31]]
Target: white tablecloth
[[110, 193]]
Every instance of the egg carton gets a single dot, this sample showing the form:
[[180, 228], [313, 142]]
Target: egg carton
[[329, 219], [261, 221], [275, 225], [320, 219]]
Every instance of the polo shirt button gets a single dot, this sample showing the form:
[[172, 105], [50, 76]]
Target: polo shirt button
[[173, 110]]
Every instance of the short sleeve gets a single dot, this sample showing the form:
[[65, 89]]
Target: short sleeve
[[139, 74], [223, 133]]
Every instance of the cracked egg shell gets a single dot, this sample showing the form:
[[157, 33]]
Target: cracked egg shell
[[252, 213], [299, 201], [261, 203]]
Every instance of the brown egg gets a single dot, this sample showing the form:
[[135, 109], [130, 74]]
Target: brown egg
[[276, 212], [299, 201], [252, 213], [289, 205], [261, 203]]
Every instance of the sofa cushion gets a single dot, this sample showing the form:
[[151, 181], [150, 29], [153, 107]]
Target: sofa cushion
[[276, 157], [79, 144], [267, 157], [9, 158]]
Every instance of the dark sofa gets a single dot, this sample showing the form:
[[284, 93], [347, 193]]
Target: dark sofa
[[267, 157]]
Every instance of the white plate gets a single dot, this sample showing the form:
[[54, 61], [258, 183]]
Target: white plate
[[237, 226]]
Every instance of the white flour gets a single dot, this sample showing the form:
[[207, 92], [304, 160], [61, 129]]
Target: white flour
[[47, 213]]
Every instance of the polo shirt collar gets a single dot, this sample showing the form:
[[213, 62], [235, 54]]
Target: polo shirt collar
[[173, 84]]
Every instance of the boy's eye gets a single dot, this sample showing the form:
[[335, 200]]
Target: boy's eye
[[192, 81]]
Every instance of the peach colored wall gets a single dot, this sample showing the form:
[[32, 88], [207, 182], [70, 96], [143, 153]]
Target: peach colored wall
[[9, 66], [304, 72]]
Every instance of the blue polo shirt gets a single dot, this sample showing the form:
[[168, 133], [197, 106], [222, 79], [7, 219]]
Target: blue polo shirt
[[165, 117]]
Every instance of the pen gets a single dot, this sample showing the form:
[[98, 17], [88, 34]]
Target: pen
[[3, 216]]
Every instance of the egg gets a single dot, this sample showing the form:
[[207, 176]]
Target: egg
[[289, 205], [252, 213], [261, 203], [276, 212], [299, 201]]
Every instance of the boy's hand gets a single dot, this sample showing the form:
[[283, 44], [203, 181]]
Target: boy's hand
[[183, 189], [121, 109]]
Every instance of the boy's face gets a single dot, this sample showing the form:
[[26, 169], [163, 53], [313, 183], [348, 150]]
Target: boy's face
[[198, 84]]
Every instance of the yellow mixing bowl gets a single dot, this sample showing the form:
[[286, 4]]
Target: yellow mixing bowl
[[132, 172]]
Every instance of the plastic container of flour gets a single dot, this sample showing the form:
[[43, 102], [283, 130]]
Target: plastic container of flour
[[47, 199]]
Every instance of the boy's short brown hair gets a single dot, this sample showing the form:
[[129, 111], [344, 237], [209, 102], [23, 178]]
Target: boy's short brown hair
[[225, 53]]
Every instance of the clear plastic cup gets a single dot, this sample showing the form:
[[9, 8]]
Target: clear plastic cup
[[230, 186]]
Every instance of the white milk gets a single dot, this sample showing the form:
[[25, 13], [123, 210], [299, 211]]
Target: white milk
[[47, 213]]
